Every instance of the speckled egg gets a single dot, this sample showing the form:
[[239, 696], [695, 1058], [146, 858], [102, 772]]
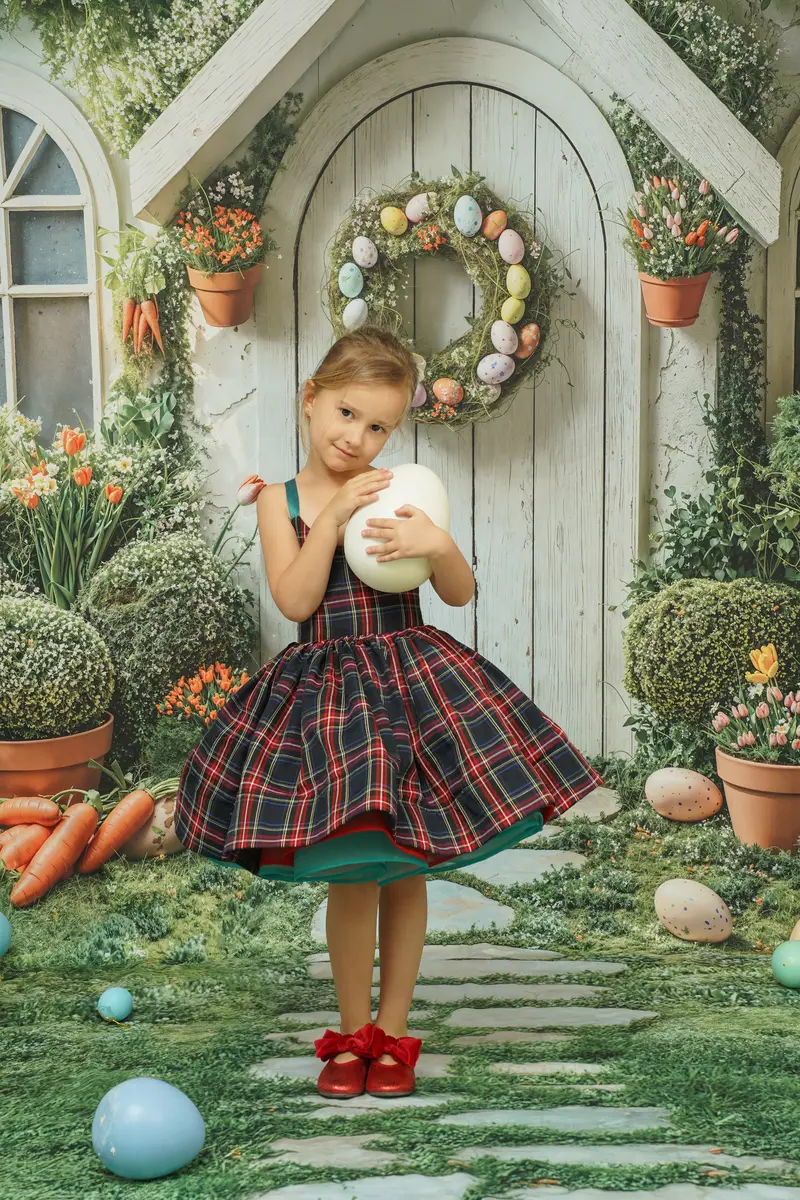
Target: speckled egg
[[394, 220], [365, 252], [683, 795], [493, 391], [495, 368], [518, 282], [494, 224], [467, 216], [512, 310], [691, 911], [449, 391], [511, 246], [417, 208], [355, 314], [794, 936], [351, 281], [504, 337], [420, 396]]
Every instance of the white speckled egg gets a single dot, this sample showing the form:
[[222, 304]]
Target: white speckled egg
[[518, 282], [365, 252], [795, 934], [355, 314], [504, 337], [467, 216], [683, 795], [691, 911], [495, 368], [512, 310], [351, 281], [417, 208], [511, 246], [394, 220]]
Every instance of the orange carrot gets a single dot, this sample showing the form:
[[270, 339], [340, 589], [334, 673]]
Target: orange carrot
[[49, 864], [143, 328], [137, 312], [150, 313], [5, 834], [21, 847], [29, 810], [128, 309], [124, 820]]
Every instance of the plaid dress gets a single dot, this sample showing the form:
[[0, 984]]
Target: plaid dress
[[373, 747]]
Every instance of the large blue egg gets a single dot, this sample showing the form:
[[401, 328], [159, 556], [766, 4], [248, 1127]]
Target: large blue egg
[[145, 1128], [5, 934], [467, 216], [786, 964], [115, 1004], [351, 281]]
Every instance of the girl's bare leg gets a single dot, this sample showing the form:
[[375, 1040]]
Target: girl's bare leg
[[350, 926], [403, 921]]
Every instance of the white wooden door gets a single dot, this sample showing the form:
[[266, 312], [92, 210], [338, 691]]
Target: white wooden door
[[545, 499]]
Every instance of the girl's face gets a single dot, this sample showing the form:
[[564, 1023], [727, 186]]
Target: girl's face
[[350, 426]]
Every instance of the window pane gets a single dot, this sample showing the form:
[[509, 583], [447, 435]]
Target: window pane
[[54, 368], [48, 174], [797, 345], [47, 247], [17, 130]]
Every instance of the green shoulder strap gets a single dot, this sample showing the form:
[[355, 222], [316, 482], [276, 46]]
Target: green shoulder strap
[[292, 497]]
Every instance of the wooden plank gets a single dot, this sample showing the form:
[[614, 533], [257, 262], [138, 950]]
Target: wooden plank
[[503, 149], [641, 67], [222, 103], [782, 280], [569, 456], [31, 203], [444, 296]]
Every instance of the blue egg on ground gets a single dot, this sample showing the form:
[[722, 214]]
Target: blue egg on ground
[[146, 1128], [5, 934], [115, 1004], [786, 964]]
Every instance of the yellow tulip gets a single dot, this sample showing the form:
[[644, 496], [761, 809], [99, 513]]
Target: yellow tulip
[[765, 662]]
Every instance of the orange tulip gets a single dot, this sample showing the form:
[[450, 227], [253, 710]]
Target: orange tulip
[[82, 476], [248, 491], [72, 441], [113, 493]]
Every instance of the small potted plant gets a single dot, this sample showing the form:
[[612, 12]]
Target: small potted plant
[[223, 248], [758, 758], [55, 691], [676, 237]]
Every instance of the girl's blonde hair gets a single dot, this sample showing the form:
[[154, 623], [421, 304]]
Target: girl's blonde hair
[[366, 355]]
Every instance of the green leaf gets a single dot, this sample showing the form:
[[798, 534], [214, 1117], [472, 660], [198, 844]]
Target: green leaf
[[455, 171]]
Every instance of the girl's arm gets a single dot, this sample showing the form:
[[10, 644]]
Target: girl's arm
[[297, 576], [452, 577]]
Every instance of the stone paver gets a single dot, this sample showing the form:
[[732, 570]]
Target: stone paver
[[643, 1154], [430, 1066], [567, 1118], [386, 1187], [452, 908], [544, 1018], [602, 802], [523, 866], [306, 1037], [463, 950], [505, 1036], [363, 1105], [330, 1017], [467, 969], [674, 1191], [352, 1153], [549, 1068], [451, 993]]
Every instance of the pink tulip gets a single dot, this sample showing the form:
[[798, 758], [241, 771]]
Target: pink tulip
[[775, 694], [762, 711], [731, 237], [682, 200], [723, 231], [735, 711], [647, 233], [788, 699], [796, 744], [678, 217], [638, 196], [675, 193], [703, 188], [781, 738], [773, 740], [248, 491], [750, 738], [646, 188], [665, 212], [741, 741], [663, 181], [722, 719], [642, 211], [796, 707], [742, 710]]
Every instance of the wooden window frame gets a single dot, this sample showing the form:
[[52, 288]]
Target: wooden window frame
[[783, 281]]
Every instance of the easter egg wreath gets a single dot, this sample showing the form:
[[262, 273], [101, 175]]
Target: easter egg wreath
[[475, 377]]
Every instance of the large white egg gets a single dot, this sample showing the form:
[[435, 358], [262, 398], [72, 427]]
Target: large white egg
[[410, 484], [365, 252], [504, 337], [417, 208], [355, 313], [494, 368], [682, 795], [511, 247], [691, 911], [467, 216]]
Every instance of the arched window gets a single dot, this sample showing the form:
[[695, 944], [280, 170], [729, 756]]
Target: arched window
[[783, 282], [53, 179]]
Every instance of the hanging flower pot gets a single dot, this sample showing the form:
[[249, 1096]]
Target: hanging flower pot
[[50, 765], [763, 800], [673, 302], [226, 297]]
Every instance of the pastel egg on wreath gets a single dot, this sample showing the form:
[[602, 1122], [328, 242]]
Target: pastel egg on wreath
[[449, 391], [351, 281], [511, 247], [420, 396], [504, 337], [494, 368], [493, 390], [494, 224], [365, 252], [420, 364], [418, 208], [512, 310], [355, 313], [518, 282], [394, 220], [467, 216], [682, 795]]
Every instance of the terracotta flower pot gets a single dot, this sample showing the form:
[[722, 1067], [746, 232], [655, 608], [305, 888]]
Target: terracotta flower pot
[[42, 768], [763, 800], [226, 297], [673, 302]]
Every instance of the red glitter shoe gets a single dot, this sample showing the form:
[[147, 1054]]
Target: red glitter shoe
[[397, 1078], [340, 1081]]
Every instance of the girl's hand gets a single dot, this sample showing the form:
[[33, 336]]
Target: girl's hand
[[415, 536], [360, 490]]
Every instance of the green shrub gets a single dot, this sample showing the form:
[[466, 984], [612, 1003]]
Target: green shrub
[[688, 648], [56, 675], [784, 454], [164, 608]]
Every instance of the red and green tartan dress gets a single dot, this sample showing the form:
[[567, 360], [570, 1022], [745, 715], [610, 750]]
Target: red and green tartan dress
[[372, 748]]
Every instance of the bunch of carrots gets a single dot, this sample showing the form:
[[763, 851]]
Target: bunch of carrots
[[141, 321], [136, 274], [45, 842]]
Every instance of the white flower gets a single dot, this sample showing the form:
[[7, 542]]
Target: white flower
[[53, 468], [124, 464]]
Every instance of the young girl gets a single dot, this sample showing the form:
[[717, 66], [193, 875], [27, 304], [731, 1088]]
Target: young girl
[[376, 749]]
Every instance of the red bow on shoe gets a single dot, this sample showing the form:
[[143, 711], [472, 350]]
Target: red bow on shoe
[[332, 1043], [405, 1049]]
